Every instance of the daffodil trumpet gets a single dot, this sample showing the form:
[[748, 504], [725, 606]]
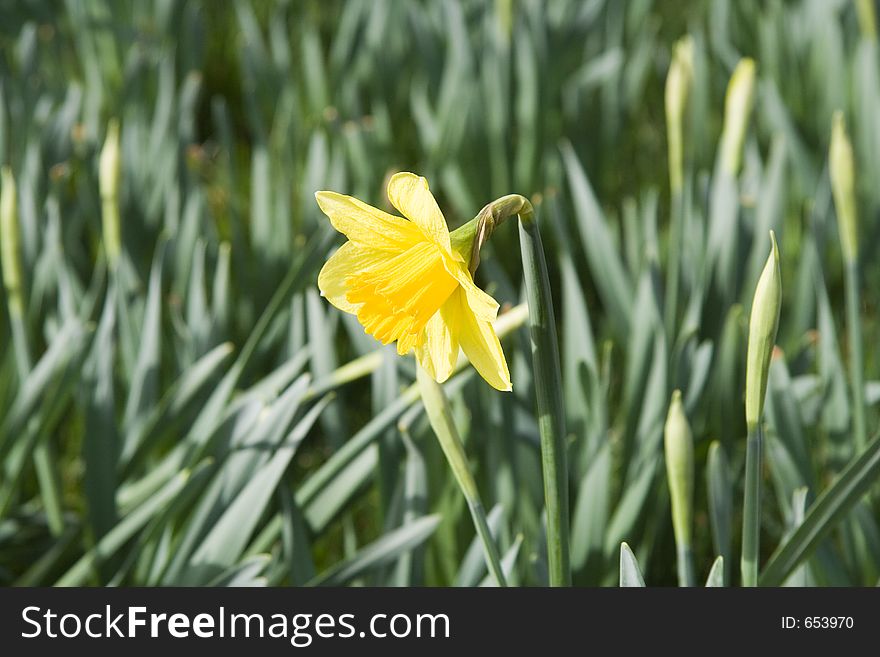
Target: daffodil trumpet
[[410, 281]]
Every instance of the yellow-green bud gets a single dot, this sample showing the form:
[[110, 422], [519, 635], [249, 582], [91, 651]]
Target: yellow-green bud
[[9, 241], [679, 445], [843, 186], [504, 11], [737, 107], [108, 174], [678, 81], [108, 182], [867, 18], [763, 322]]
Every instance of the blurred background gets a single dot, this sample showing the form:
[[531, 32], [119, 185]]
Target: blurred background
[[178, 403]]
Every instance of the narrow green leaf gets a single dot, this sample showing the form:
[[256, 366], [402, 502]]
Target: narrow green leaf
[[603, 259], [508, 564], [100, 443], [720, 494], [630, 574], [716, 574], [295, 538], [78, 574], [590, 514], [473, 564], [830, 508], [382, 551], [229, 535], [246, 573], [144, 388]]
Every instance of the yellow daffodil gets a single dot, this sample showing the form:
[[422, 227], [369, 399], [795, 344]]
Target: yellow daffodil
[[408, 281]]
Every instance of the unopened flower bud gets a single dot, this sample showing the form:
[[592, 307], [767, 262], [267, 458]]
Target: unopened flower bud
[[679, 447], [737, 108], [108, 182], [9, 241], [678, 81], [763, 323], [843, 186]]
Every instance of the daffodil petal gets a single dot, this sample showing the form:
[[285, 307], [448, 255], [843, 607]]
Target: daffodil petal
[[409, 193], [366, 225], [481, 345], [349, 259], [481, 303], [439, 352]]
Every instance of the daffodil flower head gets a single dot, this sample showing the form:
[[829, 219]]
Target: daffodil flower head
[[407, 279]]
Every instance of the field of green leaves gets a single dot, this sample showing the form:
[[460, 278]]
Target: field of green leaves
[[179, 405]]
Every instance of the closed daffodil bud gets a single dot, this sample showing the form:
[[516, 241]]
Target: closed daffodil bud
[[108, 182], [763, 323], [108, 167], [679, 448], [867, 19], [9, 241], [678, 81], [737, 107], [842, 169]]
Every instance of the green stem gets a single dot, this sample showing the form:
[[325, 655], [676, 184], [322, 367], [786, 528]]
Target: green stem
[[854, 330], [440, 416], [685, 556], [19, 340], [490, 550], [752, 508], [673, 260], [111, 225], [548, 391]]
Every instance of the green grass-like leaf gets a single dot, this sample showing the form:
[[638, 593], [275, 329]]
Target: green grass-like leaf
[[827, 511]]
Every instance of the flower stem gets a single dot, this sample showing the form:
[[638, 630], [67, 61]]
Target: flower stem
[[676, 219], [545, 361], [440, 416], [685, 558], [854, 330], [548, 391], [752, 508]]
